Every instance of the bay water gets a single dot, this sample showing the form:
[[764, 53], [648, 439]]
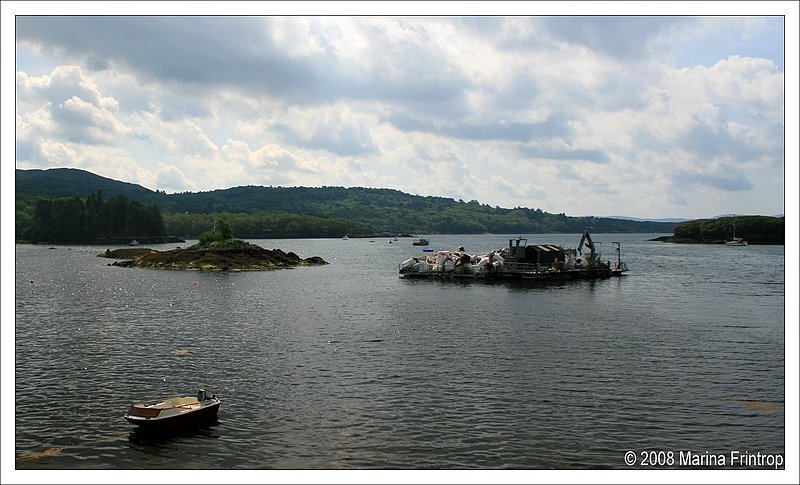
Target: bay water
[[349, 366]]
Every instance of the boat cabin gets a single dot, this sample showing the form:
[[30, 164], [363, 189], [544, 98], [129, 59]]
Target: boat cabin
[[542, 254]]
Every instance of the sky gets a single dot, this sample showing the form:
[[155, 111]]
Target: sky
[[654, 116]]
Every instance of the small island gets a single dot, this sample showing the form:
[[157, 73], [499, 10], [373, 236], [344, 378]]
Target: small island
[[217, 250], [755, 229]]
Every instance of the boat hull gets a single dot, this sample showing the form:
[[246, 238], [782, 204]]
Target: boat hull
[[524, 275], [168, 420], [736, 243]]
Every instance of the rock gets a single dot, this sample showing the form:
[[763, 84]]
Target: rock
[[126, 253], [236, 255]]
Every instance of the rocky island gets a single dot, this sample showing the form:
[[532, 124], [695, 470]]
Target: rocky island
[[230, 255], [755, 229]]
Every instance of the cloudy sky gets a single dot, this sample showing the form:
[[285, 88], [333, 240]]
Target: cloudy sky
[[645, 116]]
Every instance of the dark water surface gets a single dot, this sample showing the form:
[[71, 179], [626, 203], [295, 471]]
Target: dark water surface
[[349, 366]]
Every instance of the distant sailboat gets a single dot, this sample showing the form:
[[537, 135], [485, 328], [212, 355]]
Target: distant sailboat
[[735, 241]]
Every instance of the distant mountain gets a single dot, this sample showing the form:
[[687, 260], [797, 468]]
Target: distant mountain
[[668, 219], [257, 211], [69, 182], [723, 216]]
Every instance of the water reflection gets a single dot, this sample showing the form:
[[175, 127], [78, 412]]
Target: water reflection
[[152, 441]]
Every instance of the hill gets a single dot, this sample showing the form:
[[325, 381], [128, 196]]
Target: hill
[[269, 212], [71, 182]]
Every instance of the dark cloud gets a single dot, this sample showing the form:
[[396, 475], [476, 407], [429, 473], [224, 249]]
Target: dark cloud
[[555, 126], [485, 26], [240, 53], [730, 182], [202, 50], [628, 37], [344, 138], [95, 64], [26, 149], [710, 141], [549, 153], [181, 104]]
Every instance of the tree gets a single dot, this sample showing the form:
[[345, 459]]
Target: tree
[[220, 234], [224, 229], [93, 220]]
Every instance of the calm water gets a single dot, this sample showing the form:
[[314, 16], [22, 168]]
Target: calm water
[[349, 366]]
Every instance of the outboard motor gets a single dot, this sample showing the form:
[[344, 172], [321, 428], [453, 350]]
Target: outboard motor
[[201, 395]]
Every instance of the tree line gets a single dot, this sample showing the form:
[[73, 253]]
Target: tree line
[[389, 210], [278, 212], [93, 219], [263, 225]]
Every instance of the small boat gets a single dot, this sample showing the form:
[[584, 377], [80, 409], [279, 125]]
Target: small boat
[[420, 242], [736, 241], [345, 238], [133, 242], [175, 412]]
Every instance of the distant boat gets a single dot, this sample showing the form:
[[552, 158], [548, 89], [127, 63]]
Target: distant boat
[[345, 238], [736, 241], [133, 242], [420, 242], [179, 411]]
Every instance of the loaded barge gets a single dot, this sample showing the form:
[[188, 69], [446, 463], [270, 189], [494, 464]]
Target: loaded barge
[[518, 261]]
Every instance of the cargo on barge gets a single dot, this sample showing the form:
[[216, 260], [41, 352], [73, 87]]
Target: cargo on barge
[[518, 261]]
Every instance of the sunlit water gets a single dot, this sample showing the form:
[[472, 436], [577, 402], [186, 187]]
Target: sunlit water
[[349, 366]]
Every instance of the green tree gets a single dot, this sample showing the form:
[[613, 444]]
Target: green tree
[[93, 220], [224, 229], [220, 234]]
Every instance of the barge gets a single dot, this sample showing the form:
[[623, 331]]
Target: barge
[[518, 261]]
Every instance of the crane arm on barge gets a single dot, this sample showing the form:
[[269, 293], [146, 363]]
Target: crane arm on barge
[[586, 240]]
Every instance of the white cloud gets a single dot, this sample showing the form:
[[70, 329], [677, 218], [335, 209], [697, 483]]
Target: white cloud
[[171, 179], [68, 105]]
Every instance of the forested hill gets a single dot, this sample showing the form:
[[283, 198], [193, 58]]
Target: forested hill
[[72, 182], [257, 211]]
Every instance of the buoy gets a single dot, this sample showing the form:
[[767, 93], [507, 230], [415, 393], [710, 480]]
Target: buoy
[[194, 283]]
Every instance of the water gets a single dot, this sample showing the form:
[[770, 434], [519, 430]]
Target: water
[[347, 366]]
